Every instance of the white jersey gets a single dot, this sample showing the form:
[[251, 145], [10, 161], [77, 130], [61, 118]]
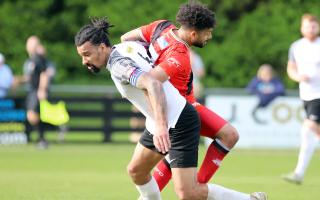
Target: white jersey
[[126, 63], [306, 55]]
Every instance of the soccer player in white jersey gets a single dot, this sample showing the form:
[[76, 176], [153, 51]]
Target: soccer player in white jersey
[[304, 67], [172, 124]]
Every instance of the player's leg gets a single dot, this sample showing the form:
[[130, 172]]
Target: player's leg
[[187, 123], [162, 173], [183, 156], [213, 126], [310, 134], [33, 117], [186, 185], [309, 141], [143, 160], [187, 188], [225, 137]]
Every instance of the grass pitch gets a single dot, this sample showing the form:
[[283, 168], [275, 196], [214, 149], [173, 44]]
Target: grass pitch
[[73, 171]]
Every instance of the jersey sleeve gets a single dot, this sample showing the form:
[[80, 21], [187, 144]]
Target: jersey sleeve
[[124, 69], [291, 56], [147, 30], [177, 61], [40, 63]]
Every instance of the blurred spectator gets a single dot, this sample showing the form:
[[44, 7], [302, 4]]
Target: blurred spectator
[[6, 77], [51, 67], [51, 72], [198, 73], [304, 67], [37, 77], [266, 86]]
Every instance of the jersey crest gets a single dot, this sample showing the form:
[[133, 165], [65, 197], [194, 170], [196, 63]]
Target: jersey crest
[[162, 42]]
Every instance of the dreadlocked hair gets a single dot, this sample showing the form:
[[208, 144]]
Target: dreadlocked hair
[[195, 15], [95, 32]]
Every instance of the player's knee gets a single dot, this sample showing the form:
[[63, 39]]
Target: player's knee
[[184, 194], [132, 170], [32, 117], [234, 135], [229, 136], [136, 174], [187, 193]]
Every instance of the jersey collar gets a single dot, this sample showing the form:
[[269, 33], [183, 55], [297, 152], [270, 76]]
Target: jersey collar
[[177, 38]]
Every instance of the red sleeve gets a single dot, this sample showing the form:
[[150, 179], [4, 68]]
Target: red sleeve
[[147, 30], [177, 61]]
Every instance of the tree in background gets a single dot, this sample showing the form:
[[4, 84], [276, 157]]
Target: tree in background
[[249, 32]]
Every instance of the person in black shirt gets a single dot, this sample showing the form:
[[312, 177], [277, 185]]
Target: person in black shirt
[[38, 78]]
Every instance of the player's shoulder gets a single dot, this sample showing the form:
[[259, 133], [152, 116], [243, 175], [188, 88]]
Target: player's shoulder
[[155, 23], [161, 21], [129, 47], [180, 48], [162, 26], [299, 42]]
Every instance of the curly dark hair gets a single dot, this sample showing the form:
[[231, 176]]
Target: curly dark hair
[[195, 15], [95, 32]]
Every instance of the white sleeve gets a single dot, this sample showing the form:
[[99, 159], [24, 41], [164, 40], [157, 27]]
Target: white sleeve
[[291, 56], [124, 69]]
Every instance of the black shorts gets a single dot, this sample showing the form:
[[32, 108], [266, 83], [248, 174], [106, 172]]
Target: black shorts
[[312, 109], [32, 102], [184, 139]]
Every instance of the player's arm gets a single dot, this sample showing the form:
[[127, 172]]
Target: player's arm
[[172, 66], [142, 34], [159, 74], [293, 73], [128, 72], [133, 35], [292, 68], [159, 106], [44, 78], [43, 85]]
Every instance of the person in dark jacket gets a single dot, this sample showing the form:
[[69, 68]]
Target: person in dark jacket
[[266, 86]]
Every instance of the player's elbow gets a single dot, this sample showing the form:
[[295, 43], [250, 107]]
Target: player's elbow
[[155, 85], [124, 38]]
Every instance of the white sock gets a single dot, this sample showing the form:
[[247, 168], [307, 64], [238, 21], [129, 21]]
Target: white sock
[[309, 142], [217, 192], [149, 191]]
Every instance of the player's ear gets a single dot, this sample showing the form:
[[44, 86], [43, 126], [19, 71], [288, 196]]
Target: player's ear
[[193, 33], [103, 47]]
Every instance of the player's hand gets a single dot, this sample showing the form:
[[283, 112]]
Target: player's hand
[[161, 140]]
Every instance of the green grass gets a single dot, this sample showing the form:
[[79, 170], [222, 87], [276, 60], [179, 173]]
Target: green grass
[[98, 171]]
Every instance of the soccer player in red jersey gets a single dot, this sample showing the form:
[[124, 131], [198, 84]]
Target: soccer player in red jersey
[[172, 124], [169, 49]]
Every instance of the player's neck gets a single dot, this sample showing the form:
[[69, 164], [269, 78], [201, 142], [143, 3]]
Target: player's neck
[[183, 35], [108, 52], [311, 39]]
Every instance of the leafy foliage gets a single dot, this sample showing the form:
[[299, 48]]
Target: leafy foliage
[[249, 33]]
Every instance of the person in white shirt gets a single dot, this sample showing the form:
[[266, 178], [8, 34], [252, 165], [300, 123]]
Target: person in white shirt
[[172, 124], [6, 77], [304, 68]]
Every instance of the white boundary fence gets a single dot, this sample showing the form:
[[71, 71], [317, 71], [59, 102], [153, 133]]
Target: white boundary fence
[[277, 126]]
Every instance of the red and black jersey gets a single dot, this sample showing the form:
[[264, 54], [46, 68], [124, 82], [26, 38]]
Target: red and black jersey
[[172, 54]]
